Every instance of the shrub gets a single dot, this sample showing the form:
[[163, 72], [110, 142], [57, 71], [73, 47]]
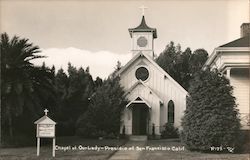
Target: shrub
[[211, 118], [102, 118], [169, 131]]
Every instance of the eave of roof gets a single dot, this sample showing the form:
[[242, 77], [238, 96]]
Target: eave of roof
[[220, 50], [143, 27], [240, 44]]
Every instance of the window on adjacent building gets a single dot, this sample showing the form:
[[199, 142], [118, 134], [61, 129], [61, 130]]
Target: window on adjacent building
[[170, 111]]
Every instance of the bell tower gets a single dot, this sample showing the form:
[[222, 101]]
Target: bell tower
[[143, 38]]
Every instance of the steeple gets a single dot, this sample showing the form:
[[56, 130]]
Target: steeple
[[143, 27], [143, 38]]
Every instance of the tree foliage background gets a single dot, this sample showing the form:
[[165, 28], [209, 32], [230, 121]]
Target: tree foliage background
[[211, 117], [102, 117], [25, 88], [73, 91], [181, 65]]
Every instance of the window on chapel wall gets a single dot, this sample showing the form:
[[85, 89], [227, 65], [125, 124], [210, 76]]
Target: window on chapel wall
[[170, 111]]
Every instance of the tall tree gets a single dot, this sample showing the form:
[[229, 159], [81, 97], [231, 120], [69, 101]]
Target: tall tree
[[103, 115], [211, 118], [197, 60], [21, 81], [98, 82], [181, 65], [73, 91]]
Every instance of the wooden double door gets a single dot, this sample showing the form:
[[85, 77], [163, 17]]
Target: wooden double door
[[139, 119]]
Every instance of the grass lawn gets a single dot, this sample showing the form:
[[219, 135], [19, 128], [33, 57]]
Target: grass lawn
[[29, 153], [185, 154]]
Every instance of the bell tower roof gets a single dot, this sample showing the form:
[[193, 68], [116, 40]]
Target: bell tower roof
[[143, 27]]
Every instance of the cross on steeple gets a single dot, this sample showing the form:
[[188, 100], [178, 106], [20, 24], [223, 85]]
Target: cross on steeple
[[46, 111], [143, 9]]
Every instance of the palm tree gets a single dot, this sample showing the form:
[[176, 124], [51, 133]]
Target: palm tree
[[21, 81]]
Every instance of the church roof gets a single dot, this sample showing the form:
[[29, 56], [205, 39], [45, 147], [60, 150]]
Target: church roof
[[139, 54], [241, 42], [143, 27]]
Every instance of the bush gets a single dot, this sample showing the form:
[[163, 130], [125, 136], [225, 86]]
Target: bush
[[85, 128], [169, 131], [102, 118], [211, 118]]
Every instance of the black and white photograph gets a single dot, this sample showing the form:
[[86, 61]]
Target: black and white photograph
[[125, 79]]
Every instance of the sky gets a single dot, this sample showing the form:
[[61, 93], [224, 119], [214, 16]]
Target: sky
[[95, 33]]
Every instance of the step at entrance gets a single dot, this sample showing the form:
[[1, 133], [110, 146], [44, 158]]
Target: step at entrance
[[138, 138]]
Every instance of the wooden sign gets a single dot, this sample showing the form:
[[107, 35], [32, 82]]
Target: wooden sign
[[45, 128]]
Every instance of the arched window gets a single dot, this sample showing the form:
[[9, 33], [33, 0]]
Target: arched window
[[170, 111]]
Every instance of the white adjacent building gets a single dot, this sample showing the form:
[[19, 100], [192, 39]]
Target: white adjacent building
[[155, 98], [233, 59]]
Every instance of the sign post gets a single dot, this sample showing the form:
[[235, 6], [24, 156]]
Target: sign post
[[45, 128], [38, 146]]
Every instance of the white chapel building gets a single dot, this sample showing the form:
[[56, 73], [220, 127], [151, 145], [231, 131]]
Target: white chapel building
[[233, 59], [155, 98]]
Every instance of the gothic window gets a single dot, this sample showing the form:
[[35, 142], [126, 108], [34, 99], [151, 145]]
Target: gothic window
[[170, 111]]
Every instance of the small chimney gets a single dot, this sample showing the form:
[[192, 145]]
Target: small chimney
[[245, 29]]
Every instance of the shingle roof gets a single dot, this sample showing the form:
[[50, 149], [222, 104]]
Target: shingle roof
[[241, 42], [143, 27]]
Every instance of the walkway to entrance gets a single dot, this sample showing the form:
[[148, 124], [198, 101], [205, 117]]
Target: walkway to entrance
[[129, 155]]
